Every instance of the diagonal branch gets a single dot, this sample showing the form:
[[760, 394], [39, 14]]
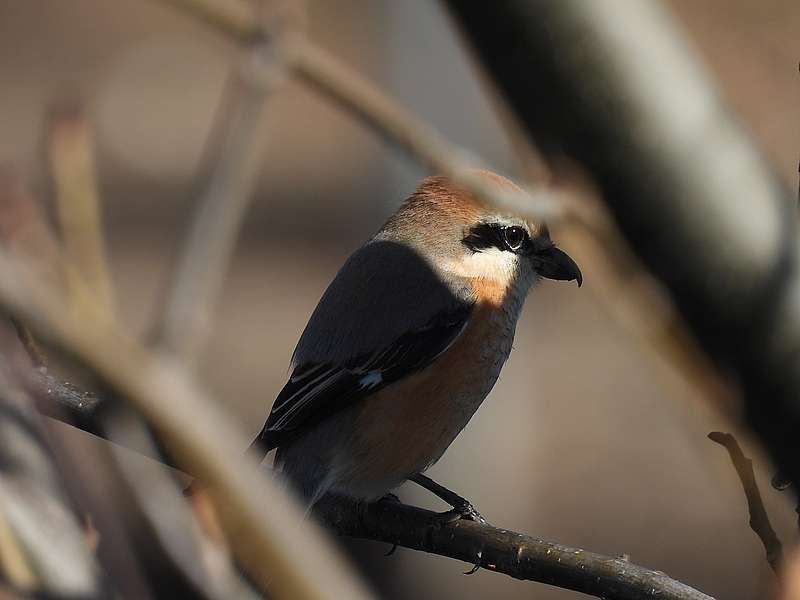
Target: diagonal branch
[[71, 155], [515, 554], [759, 519], [227, 184], [367, 103]]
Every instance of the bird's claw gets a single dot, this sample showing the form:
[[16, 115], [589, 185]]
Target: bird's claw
[[465, 511], [474, 568], [447, 517], [468, 512]]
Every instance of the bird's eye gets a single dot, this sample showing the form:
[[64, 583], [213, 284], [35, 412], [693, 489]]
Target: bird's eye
[[514, 237]]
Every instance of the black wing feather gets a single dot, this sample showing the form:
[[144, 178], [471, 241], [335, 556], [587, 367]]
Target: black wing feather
[[317, 391]]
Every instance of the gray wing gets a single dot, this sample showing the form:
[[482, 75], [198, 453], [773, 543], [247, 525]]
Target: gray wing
[[385, 315]]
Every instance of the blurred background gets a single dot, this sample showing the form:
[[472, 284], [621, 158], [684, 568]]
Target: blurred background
[[588, 439]]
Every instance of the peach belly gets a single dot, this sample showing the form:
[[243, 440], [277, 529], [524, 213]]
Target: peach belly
[[405, 428]]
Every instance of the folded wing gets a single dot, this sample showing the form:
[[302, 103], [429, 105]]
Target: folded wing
[[385, 316]]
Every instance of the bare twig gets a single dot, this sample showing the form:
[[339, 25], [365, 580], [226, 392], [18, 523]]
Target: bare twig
[[420, 141], [31, 346], [759, 519], [71, 154], [224, 195], [514, 554], [25, 232], [383, 114], [14, 565], [141, 555], [158, 525], [238, 18]]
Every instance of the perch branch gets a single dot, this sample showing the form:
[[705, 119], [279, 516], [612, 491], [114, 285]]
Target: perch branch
[[759, 519], [513, 554]]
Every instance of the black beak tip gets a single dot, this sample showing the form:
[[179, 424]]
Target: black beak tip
[[557, 264]]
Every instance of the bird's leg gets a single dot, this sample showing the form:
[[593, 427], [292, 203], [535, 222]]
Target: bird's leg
[[462, 508]]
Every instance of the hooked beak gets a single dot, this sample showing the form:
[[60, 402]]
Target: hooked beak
[[554, 263]]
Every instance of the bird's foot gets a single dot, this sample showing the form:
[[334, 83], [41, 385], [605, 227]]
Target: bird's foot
[[462, 508], [469, 512], [464, 511]]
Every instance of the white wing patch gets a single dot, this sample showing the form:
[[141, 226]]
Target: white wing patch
[[371, 379], [313, 387]]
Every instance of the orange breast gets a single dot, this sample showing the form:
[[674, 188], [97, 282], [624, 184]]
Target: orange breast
[[407, 426]]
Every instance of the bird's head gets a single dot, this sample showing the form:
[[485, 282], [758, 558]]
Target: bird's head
[[462, 236]]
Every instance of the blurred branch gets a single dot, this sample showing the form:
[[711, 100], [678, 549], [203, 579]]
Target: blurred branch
[[366, 102], [149, 542], [141, 556], [265, 529], [24, 231], [759, 519], [42, 545], [31, 346], [71, 154], [131, 551], [237, 18], [227, 184], [383, 114], [14, 565], [696, 202]]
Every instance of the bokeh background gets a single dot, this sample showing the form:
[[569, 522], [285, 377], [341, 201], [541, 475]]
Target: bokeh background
[[588, 438]]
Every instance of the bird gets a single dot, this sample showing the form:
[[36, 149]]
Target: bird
[[406, 343]]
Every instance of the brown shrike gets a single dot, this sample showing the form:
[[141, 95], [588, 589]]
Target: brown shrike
[[406, 343]]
